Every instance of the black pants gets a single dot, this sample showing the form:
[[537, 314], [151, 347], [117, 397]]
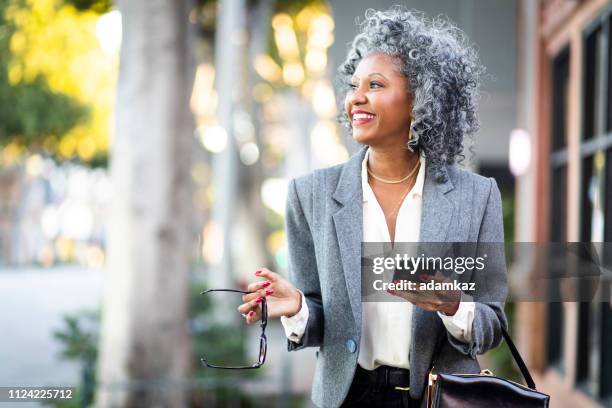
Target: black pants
[[370, 392]]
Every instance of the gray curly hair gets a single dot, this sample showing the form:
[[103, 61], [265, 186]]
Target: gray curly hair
[[443, 72]]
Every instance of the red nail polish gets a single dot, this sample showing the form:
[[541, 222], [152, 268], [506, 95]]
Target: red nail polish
[[257, 272], [266, 284], [251, 313], [259, 300], [269, 292]]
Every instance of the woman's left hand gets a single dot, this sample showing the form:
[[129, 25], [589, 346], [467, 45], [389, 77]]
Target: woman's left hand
[[445, 301]]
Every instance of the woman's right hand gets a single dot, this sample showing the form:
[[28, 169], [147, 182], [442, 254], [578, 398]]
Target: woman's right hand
[[282, 298]]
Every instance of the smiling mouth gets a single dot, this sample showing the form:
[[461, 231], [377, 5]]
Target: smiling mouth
[[362, 118]]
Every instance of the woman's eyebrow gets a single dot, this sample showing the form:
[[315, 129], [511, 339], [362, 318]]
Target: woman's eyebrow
[[370, 75]]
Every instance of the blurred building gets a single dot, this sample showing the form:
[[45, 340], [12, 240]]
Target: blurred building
[[565, 107]]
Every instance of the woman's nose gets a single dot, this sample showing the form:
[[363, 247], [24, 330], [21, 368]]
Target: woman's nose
[[358, 96]]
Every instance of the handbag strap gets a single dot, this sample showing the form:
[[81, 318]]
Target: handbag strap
[[518, 360], [513, 350]]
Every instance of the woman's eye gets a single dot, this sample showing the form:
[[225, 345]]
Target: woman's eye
[[372, 84], [375, 84]]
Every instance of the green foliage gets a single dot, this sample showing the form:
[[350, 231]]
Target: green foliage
[[98, 6], [294, 6], [508, 214], [30, 111], [274, 220], [79, 337]]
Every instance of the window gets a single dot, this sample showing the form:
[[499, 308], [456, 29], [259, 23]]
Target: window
[[605, 366], [558, 204], [594, 334]]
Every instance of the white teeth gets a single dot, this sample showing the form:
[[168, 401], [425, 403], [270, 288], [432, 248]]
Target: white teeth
[[362, 116]]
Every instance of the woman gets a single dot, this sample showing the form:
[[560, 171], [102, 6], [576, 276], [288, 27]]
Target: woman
[[411, 88]]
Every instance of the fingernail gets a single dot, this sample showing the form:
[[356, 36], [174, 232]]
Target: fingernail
[[269, 292], [265, 284], [257, 272], [259, 300], [251, 313]]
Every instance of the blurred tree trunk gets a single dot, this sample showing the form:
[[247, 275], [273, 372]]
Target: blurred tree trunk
[[230, 39], [145, 348], [259, 22]]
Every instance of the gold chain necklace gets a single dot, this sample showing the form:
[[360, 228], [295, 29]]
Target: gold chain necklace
[[398, 205], [387, 181], [395, 209]]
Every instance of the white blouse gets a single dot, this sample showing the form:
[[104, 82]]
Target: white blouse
[[386, 326]]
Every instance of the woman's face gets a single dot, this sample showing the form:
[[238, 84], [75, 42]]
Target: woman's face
[[379, 103]]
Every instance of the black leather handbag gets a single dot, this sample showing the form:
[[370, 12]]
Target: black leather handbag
[[484, 389]]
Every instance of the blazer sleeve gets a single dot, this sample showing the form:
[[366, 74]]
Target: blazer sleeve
[[489, 314], [303, 269]]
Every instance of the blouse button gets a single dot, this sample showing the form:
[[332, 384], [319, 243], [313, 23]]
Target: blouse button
[[351, 346]]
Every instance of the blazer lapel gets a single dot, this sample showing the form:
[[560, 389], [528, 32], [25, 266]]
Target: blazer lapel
[[437, 210], [348, 221]]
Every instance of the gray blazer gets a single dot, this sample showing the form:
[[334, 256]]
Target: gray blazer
[[324, 232]]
